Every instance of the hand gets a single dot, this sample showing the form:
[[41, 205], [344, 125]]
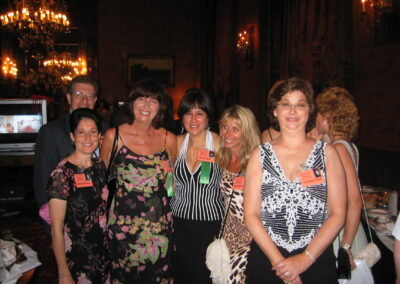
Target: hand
[[351, 258], [297, 280], [313, 133], [290, 268]]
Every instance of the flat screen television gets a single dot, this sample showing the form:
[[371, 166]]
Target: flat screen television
[[20, 121]]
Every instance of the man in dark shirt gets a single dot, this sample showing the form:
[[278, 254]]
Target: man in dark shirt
[[53, 142]]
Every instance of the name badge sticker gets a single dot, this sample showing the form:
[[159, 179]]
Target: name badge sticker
[[310, 177], [81, 181], [166, 166], [238, 183], [205, 155]]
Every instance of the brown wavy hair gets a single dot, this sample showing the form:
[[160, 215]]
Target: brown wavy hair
[[288, 86], [337, 106], [246, 120]]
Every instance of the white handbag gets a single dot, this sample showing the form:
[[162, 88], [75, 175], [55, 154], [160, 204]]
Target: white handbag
[[218, 256], [360, 275]]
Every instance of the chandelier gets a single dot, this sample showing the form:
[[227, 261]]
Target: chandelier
[[35, 15], [71, 68], [9, 68]]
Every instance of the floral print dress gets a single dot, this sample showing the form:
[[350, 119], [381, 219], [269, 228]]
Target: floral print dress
[[140, 220], [85, 233]]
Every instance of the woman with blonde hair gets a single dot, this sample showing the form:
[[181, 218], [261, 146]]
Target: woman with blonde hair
[[239, 136], [337, 119]]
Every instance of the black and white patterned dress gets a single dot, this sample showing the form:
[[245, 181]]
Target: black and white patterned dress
[[292, 215]]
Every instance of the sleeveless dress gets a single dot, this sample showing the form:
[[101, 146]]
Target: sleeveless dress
[[360, 239], [140, 220], [236, 235], [85, 231], [292, 215], [197, 210]]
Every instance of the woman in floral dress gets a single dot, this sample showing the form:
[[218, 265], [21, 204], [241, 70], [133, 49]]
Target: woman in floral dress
[[239, 135], [78, 206], [140, 220]]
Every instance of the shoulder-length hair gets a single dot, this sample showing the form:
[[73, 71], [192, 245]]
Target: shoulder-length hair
[[246, 120], [149, 88], [288, 86], [193, 98], [338, 107]]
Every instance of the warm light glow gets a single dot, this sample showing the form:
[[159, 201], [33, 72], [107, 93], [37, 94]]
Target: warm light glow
[[79, 67], [243, 41], [30, 15], [9, 68]]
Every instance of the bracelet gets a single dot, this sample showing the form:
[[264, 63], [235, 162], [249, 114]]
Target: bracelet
[[309, 255], [346, 246]]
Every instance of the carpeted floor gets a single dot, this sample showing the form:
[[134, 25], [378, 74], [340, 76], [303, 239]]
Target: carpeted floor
[[22, 220]]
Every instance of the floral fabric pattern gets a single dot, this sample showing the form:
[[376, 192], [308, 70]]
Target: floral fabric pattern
[[140, 221], [85, 231]]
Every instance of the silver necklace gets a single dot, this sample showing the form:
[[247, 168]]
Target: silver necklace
[[141, 140]]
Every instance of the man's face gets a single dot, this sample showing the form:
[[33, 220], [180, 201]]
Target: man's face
[[83, 96]]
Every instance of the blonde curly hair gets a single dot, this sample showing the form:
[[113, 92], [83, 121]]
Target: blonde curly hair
[[337, 106], [244, 117]]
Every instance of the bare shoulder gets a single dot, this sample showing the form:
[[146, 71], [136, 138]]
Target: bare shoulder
[[179, 140], [265, 136]]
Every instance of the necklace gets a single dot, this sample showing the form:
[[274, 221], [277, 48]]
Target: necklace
[[141, 140]]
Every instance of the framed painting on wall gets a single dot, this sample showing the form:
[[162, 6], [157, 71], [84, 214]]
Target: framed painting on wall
[[160, 68]]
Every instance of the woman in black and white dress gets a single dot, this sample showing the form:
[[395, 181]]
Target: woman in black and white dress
[[294, 197], [197, 206]]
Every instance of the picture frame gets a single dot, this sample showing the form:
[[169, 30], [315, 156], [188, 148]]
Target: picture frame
[[160, 68]]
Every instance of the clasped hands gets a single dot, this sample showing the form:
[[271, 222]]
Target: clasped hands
[[289, 269]]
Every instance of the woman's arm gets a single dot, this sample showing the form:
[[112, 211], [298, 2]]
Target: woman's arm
[[171, 145], [354, 203], [106, 146], [336, 204], [252, 208], [57, 209]]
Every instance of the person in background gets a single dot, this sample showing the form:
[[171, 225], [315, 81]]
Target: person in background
[[294, 197], [77, 203], [53, 142], [337, 120], [396, 252], [270, 134], [140, 219], [239, 136], [197, 206]]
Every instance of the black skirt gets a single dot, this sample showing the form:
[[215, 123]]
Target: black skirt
[[259, 268], [191, 239]]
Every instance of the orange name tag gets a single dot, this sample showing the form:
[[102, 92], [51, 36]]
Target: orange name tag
[[310, 177], [204, 155], [81, 181], [166, 166], [238, 183]]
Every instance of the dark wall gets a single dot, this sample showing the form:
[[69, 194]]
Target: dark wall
[[148, 28]]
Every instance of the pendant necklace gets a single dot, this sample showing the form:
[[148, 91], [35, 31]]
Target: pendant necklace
[[141, 140]]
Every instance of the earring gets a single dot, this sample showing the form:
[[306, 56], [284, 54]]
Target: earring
[[183, 130]]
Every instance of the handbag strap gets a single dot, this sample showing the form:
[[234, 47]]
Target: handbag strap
[[113, 152], [226, 212], [365, 212]]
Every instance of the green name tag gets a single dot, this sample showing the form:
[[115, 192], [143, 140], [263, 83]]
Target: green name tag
[[205, 172]]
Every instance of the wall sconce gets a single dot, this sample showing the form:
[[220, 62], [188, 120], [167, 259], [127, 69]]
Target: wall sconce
[[379, 9], [245, 46], [9, 68]]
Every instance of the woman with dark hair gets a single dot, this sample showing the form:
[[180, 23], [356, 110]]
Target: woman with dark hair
[[140, 220], [337, 120], [294, 197], [78, 195], [197, 205]]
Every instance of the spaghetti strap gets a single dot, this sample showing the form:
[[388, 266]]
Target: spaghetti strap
[[270, 136], [165, 140]]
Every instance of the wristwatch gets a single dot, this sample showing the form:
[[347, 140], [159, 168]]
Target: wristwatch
[[346, 246]]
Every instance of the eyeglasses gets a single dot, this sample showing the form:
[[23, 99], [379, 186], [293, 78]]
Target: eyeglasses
[[287, 106], [83, 134], [81, 95]]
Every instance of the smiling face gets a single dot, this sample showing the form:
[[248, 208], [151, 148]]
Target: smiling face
[[145, 109], [83, 95], [195, 121], [231, 134], [86, 136], [292, 111]]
